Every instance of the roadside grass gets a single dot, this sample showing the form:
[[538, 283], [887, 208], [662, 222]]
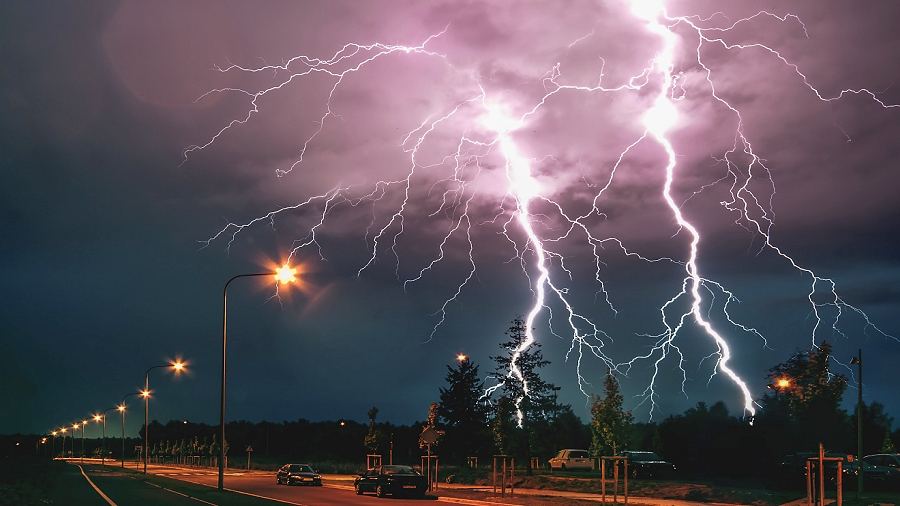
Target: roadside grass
[[25, 481], [730, 491]]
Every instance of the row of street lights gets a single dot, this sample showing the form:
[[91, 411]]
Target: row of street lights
[[101, 417], [282, 275]]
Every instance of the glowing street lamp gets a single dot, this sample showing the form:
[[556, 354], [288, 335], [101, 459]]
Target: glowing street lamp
[[285, 274], [177, 367], [53, 444], [121, 408], [63, 430], [461, 358], [859, 423], [74, 427], [98, 418]]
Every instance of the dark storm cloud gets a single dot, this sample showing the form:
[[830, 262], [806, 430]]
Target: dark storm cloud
[[105, 273]]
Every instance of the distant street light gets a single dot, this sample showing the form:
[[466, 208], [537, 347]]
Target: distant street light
[[103, 444], [75, 426], [461, 357], [53, 445], [282, 275], [859, 425], [121, 409], [63, 430], [177, 366]]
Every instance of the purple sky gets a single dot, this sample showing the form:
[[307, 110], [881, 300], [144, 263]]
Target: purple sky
[[397, 200]]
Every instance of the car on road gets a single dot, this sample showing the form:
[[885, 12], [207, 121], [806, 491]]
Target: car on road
[[647, 465], [392, 480], [571, 459], [290, 474], [883, 477], [883, 459]]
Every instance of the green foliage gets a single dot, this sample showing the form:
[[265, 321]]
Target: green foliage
[[519, 378], [611, 425], [887, 446], [463, 412], [805, 400], [374, 436]]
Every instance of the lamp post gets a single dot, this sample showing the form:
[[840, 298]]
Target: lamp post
[[859, 424], [121, 409], [103, 444], [53, 445], [282, 275], [63, 430], [177, 366]]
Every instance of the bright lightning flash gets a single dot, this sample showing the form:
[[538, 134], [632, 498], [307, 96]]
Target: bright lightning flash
[[501, 116]]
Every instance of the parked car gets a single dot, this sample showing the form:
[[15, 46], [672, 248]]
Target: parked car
[[883, 459], [570, 459], [392, 480], [882, 477], [647, 465], [290, 474]]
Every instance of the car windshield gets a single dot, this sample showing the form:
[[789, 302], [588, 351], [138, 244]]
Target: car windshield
[[297, 468], [644, 456], [398, 470]]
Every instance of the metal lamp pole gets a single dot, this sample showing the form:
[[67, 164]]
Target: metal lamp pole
[[121, 409], [146, 393], [282, 275], [103, 443], [859, 424]]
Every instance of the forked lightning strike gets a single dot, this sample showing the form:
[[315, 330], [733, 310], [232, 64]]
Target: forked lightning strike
[[493, 134]]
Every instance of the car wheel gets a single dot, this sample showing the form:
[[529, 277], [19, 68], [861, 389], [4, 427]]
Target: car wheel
[[379, 491], [358, 489]]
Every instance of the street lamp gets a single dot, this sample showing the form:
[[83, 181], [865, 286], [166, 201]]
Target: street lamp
[[121, 409], [177, 366], [53, 444], [282, 275], [63, 430], [74, 427], [859, 424], [97, 418]]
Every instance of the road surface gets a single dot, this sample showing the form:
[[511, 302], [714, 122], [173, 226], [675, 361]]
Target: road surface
[[91, 485]]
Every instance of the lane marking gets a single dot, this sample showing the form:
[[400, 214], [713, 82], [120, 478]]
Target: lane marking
[[107, 499]]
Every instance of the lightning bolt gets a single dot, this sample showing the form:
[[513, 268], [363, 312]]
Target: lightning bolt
[[461, 178]]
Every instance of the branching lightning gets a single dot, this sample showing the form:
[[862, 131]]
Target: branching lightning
[[492, 135]]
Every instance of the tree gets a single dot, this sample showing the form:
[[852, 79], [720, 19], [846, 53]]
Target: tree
[[887, 446], [532, 398], [431, 424], [463, 411], [611, 425], [374, 436], [809, 394]]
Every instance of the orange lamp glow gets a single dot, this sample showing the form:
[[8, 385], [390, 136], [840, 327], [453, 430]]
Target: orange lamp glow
[[784, 383], [461, 357], [285, 274]]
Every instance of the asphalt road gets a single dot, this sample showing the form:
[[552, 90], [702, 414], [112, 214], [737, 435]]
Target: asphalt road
[[91, 485], [263, 485]]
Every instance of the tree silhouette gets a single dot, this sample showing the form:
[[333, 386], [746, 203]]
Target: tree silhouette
[[463, 411], [532, 399], [610, 424]]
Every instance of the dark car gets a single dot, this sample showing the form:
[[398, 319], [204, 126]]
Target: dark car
[[289, 474], [883, 459], [883, 477], [647, 465], [392, 480]]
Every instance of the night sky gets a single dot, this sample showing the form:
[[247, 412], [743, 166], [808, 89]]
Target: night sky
[[153, 150]]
